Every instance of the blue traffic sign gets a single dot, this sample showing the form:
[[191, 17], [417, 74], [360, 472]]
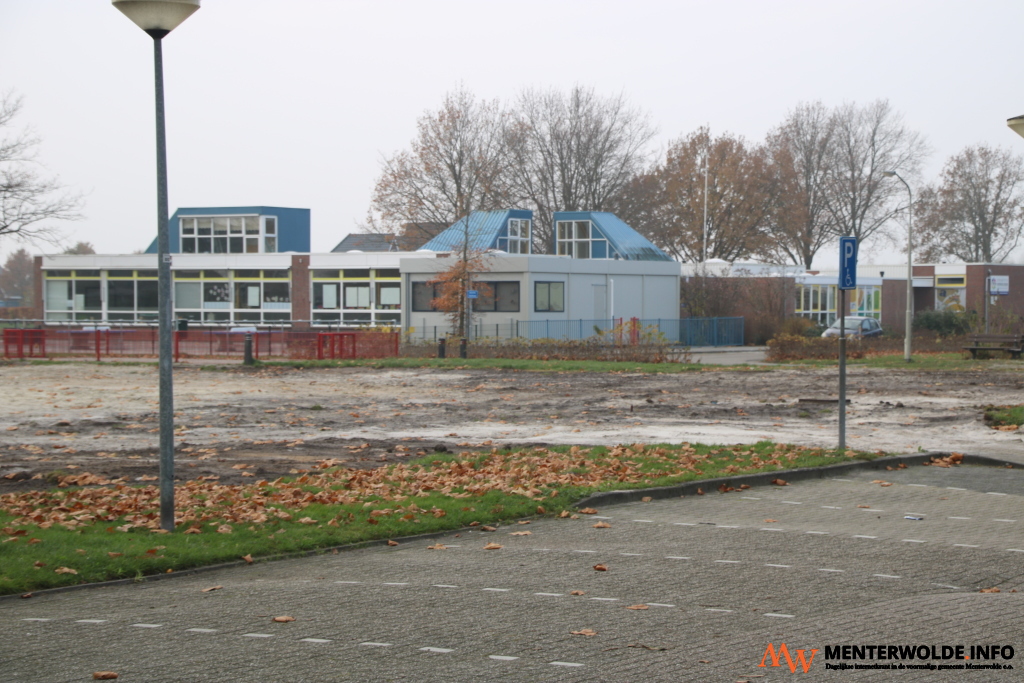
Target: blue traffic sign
[[847, 263], [472, 294]]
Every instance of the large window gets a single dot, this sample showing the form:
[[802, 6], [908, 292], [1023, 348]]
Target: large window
[[503, 297], [518, 240], [423, 294], [549, 297], [228, 234], [356, 296], [581, 239]]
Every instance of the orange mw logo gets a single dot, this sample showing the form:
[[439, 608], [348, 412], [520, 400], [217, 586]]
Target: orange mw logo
[[783, 652]]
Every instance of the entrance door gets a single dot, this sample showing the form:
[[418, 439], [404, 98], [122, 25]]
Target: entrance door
[[600, 302]]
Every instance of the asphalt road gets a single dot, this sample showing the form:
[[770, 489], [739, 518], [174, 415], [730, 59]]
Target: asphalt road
[[812, 564]]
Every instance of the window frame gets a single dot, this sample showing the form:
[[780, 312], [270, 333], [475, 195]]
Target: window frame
[[537, 285]]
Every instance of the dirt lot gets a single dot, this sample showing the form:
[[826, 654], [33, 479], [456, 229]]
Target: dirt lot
[[71, 418]]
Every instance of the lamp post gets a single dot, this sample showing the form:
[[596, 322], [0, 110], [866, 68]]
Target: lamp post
[[910, 265], [1016, 124], [158, 18]]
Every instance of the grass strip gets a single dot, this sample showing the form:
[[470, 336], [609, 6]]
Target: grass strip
[[65, 536], [1004, 416]]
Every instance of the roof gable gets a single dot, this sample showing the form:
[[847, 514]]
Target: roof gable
[[480, 231]]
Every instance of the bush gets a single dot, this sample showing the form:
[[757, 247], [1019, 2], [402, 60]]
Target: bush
[[792, 347], [945, 323]]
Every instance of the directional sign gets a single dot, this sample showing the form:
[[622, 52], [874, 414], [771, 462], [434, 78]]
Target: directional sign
[[999, 285], [472, 294], [847, 263]]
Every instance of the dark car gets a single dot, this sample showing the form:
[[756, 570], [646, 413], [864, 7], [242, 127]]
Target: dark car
[[856, 326]]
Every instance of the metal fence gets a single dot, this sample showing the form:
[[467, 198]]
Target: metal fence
[[680, 331]]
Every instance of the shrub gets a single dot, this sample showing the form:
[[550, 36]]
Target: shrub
[[946, 323]]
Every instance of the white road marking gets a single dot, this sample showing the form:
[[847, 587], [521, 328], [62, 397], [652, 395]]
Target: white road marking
[[955, 488], [502, 658], [313, 640], [995, 493], [957, 517], [440, 650], [257, 635], [348, 582], [819, 533], [675, 557], [599, 517], [1004, 520], [831, 570], [837, 479], [729, 561], [497, 590], [685, 523], [791, 502], [606, 599], [91, 621], [913, 540], [147, 625], [712, 609], [964, 545], [1015, 550], [632, 554], [644, 521], [200, 630], [36, 619], [863, 536], [728, 526], [886, 576], [771, 529], [584, 551], [943, 585], [871, 510], [781, 616], [444, 585], [551, 595], [919, 485], [831, 507], [371, 644], [565, 664], [394, 584], [780, 566], [659, 604], [749, 498]]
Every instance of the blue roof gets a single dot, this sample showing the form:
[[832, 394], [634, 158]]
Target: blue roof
[[629, 244], [483, 229]]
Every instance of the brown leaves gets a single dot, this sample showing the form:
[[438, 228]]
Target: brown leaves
[[248, 559], [104, 676], [588, 511], [488, 528], [521, 533], [948, 461], [584, 632], [576, 593], [990, 590], [600, 567], [437, 546], [780, 482], [636, 607], [493, 546], [770, 521], [392, 543], [224, 529], [602, 525], [866, 507], [64, 570], [283, 620], [211, 589], [646, 499]]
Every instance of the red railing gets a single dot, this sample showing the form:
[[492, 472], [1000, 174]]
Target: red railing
[[195, 343]]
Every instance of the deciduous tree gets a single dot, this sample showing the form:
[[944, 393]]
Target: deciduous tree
[[81, 248], [16, 277], [975, 212]]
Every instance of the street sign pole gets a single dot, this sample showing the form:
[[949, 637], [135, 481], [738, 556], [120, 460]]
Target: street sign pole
[[847, 280]]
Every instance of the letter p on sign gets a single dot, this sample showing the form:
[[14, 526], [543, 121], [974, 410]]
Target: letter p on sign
[[847, 263]]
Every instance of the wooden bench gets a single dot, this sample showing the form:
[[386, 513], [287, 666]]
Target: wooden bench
[[1012, 344]]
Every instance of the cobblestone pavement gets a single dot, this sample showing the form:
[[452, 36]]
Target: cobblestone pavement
[[828, 562]]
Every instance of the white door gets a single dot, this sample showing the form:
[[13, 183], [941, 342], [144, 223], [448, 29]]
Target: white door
[[600, 302]]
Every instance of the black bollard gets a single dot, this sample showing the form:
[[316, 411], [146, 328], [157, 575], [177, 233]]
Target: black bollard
[[247, 357], [462, 348], [440, 347]]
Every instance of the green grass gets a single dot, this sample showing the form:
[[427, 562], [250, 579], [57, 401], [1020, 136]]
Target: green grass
[[998, 416], [99, 551], [954, 362]]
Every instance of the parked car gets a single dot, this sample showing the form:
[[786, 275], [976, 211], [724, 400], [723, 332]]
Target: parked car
[[856, 326]]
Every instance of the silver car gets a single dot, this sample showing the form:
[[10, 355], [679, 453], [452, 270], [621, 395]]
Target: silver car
[[856, 326]]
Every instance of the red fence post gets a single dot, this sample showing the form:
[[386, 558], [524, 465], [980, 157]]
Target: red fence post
[[177, 347], [97, 344]]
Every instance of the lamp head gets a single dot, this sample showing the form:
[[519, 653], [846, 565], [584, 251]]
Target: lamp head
[[157, 17], [889, 174], [1016, 124]]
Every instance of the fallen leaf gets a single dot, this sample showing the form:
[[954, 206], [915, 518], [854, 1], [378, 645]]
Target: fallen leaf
[[540, 509], [602, 525], [224, 529], [193, 530], [770, 521], [38, 563], [563, 514], [584, 632], [523, 521], [576, 593], [247, 558], [115, 554], [638, 607], [780, 482], [600, 567], [104, 676], [990, 590], [283, 620], [521, 533], [64, 570], [646, 499], [488, 528], [211, 589], [866, 507], [885, 483], [492, 546], [588, 511], [392, 543], [437, 546]]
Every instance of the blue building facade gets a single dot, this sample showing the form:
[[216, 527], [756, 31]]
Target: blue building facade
[[238, 230]]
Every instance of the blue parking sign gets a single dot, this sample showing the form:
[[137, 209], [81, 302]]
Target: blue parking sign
[[472, 294], [847, 263]]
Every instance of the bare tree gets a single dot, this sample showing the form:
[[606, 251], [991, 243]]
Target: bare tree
[[16, 276], [456, 162], [81, 248], [866, 141], [802, 156], [573, 152], [667, 204], [976, 211], [29, 201]]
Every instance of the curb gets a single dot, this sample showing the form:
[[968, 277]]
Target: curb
[[603, 498], [765, 478]]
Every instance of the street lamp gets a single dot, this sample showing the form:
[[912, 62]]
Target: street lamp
[[1016, 124], [910, 264], [158, 18]]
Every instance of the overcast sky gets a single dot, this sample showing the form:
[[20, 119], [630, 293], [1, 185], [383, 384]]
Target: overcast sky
[[293, 102]]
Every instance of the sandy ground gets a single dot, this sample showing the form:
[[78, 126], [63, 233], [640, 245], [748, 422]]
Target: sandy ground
[[78, 417]]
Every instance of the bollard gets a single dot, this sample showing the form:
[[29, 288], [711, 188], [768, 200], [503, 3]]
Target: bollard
[[247, 358], [462, 348], [441, 347]]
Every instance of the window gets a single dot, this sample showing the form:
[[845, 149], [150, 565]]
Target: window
[[227, 234], [549, 297], [503, 297], [188, 295], [518, 241], [580, 239], [247, 295], [121, 295], [389, 295], [277, 295], [381, 273], [422, 295], [357, 295], [216, 295], [148, 295], [325, 295], [356, 273], [326, 274]]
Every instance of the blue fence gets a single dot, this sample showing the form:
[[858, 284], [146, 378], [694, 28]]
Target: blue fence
[[681, 331]]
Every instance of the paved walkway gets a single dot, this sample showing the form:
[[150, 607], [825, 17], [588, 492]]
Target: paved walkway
[[831, 562]]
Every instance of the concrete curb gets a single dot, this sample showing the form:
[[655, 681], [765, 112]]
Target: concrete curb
[[603, 498], [765, 478]]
